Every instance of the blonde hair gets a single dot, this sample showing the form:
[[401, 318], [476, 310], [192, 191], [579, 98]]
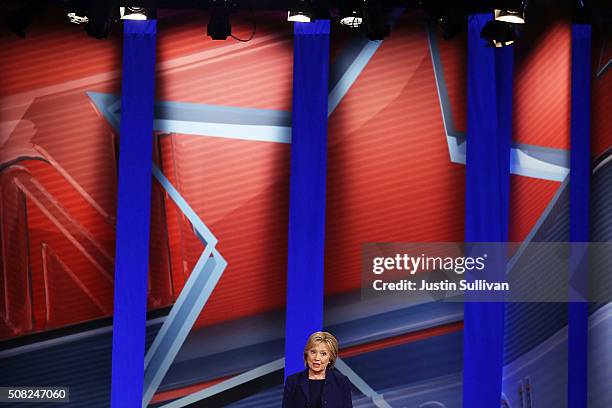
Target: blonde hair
[[322, 337]]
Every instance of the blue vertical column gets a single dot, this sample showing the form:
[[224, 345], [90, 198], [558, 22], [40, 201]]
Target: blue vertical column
[[307, 189], [489, 127], [579, 184], [133, 212]]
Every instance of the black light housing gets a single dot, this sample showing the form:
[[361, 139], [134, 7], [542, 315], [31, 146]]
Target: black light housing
[[137, 10], [449, 16], [499, 33], [375, 20], [219, 27], [582, 12], [76, 16], [22, 17], [452, 24], [101, 16], [351, 14], [300, 11], [510, 11], [18, 23]]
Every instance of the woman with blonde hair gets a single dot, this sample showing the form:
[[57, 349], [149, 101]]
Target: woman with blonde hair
[[319, 385]]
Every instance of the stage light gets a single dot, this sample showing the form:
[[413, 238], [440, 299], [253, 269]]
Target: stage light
[[504, 30], [350, 13], [300, 11], [375, 20], [510, 16], [219, 27], [101, 16], [18, 23], [499, 33], [510, 12], [352, 20], [298, 17], [583, 12], [452, 25], [77, 17], [21, 19], [449, 16], [133, 13]]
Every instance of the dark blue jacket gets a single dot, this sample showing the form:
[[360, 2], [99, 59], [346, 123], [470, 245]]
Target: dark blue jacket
[[336, 391]]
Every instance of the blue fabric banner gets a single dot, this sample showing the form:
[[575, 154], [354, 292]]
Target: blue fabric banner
[[133, 212], [489, 127], [307, 189], [579, 184]]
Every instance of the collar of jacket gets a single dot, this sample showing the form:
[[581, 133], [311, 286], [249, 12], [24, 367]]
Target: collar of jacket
[[330, 378]]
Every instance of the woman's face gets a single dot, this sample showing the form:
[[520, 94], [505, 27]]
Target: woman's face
[[318, 358]]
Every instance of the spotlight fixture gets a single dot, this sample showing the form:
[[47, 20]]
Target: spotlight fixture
[[509, 16], [510, 12], [137, 9], [449, 16], [219, 27], [350, 13], [352, 20], [133, 13], [300, 11], [77, 16], [298, 17], [101, 16], [583, 12], [499, 33], [22, 17], [452, 24], [375, 20], [18, 23], [504, 30], [74, 18]]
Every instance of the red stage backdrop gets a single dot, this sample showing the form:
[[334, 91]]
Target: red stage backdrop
[[390, 174]]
